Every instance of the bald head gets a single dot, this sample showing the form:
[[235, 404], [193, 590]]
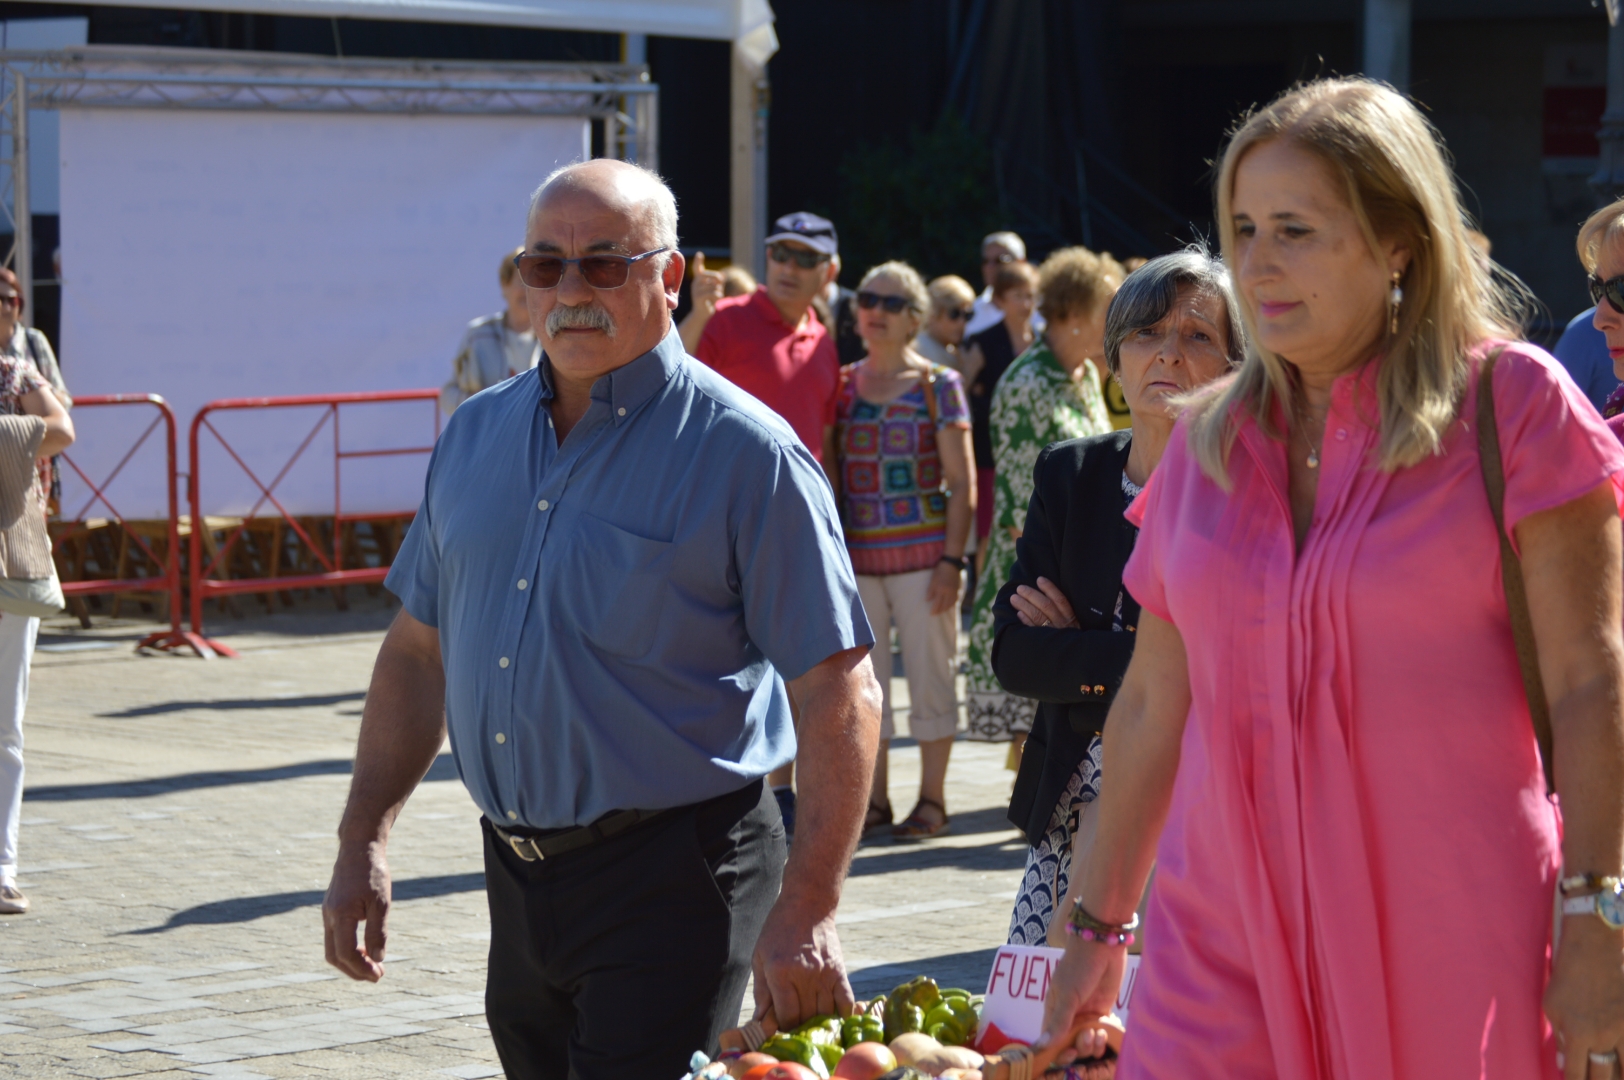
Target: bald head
[[619, 186]]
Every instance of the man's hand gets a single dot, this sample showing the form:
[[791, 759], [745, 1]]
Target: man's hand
[[706, 287], [402, 727], [358, 893], [798, 967], [799, 970]]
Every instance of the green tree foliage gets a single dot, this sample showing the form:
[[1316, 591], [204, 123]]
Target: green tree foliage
[[928, 202]]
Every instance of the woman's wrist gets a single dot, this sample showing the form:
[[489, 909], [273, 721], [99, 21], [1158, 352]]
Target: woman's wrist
[[958, 562]]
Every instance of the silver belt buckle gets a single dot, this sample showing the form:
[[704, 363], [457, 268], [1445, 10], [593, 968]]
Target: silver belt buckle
[[518, 843]]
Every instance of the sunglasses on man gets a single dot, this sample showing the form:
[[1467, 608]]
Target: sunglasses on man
[[1001, 260], [1612, 289], [805, 258], [892, 304], [960, 314], [599, 271]]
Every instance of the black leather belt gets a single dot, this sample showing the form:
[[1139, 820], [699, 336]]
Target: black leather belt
[[536, 848]]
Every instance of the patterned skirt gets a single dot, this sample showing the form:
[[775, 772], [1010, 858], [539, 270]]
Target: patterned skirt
[[1048, 865]]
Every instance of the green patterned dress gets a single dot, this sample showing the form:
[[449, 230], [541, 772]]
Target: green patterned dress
[[1035, 403]]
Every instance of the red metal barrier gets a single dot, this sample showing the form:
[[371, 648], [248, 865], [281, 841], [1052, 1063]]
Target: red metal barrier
[[198, 580], [169, 582]]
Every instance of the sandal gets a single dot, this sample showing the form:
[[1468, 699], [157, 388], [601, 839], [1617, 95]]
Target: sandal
[[915, 827], [878, 819]]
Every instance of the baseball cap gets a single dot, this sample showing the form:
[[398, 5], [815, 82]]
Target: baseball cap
[[815, 232]]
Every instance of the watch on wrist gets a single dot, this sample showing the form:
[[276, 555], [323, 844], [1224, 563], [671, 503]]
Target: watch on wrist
[[1607, 905], [959, 563]]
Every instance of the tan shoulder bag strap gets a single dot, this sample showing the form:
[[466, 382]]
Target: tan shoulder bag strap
[[1511, 575], [928, 385]]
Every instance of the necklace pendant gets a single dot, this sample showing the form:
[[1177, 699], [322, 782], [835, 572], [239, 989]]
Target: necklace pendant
[[1313, 459]]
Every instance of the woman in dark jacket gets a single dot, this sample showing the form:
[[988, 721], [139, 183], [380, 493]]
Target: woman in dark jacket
[[1064, 624]]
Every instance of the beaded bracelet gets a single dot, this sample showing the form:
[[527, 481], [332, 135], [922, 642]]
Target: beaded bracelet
[[1081, 924]]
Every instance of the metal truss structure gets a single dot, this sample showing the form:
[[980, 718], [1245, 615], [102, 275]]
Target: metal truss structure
[[618, 95]]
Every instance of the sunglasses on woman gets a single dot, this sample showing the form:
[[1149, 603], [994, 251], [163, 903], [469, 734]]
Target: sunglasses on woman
[[805, 258], [599, 271], [892, 304], [1612, 289]]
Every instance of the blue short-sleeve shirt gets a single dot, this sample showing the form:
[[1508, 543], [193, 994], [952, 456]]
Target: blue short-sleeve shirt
[[618, 614]]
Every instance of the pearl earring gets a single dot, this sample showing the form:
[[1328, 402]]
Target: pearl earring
[[1394, 299], [1075, 331]]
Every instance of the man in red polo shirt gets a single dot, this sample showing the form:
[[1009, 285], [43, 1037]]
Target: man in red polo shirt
[[770, 344]]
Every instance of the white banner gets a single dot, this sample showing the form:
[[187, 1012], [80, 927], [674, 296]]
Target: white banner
[[211, 255]]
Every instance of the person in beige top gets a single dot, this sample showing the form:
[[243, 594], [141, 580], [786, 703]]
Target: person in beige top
[[33, 424]]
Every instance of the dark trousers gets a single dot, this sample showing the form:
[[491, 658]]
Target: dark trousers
[[619, 960]]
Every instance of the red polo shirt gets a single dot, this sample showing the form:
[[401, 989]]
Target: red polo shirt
[[794, 371]]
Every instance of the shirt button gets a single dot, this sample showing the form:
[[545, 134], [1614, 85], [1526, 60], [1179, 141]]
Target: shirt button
[[502, 662], [621, 410], [1341, 433], [513, 815], [500, 738], [523, 584], [542, 505]]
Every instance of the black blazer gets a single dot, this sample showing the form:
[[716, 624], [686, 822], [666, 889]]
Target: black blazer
[[1076, 537]]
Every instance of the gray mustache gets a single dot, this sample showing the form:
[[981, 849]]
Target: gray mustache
[[584, 317]]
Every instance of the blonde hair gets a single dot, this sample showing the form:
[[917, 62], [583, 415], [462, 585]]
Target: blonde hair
[[1391, 163], [1600, 229], [1075, 281], [506, 271], [950, 291], [913, 286]]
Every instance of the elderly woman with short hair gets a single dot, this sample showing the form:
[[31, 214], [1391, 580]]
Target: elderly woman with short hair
[[1063, 624], [952, 302], [1052, 392], [1326, 739], [901, 441]]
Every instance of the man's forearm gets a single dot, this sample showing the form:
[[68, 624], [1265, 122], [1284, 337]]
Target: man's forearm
[[402, 729], [838, 739]]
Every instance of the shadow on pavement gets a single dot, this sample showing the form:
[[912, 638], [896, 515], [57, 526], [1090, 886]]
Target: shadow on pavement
[[248, 908], [236, 703], [966, 969], [442, 769]]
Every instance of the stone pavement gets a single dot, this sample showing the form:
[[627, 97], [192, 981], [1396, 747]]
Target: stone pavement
[[178, 831]]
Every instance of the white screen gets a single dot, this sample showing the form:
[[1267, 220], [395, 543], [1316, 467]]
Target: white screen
[[212, 255]]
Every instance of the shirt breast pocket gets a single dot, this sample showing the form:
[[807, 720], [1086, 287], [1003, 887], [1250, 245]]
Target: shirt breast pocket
[[612, 586]]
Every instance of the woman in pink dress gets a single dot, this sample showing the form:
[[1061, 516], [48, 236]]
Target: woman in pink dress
[[1323, 739]]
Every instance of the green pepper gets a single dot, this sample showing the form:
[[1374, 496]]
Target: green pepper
[[954, 991], [948, 1034], [902, 1020], [965, 1013], [832, 1053], [858, 1029], [787, 1047]]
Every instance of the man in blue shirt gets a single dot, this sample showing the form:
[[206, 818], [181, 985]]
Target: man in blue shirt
[[1583, 351], [622, 568]]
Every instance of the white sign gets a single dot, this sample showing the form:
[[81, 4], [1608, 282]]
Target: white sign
[[1019, 986]]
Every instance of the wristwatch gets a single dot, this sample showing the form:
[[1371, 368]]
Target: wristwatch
[[1607, 905]]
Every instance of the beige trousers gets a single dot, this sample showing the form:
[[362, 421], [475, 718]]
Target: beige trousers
[[929, 650]]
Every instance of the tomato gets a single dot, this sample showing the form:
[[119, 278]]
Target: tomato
[[781, 1070], [746, 1062]]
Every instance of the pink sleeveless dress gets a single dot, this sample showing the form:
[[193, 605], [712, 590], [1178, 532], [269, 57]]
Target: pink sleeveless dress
[[1356, 875]]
